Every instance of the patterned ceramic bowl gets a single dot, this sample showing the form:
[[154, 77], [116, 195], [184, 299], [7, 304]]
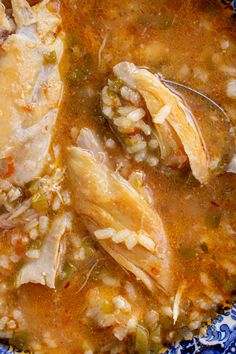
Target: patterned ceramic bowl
[[220, 335]]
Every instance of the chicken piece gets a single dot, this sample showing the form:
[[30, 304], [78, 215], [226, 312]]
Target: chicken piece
[[43, 270], [153, 121], [31, 86], [125, 225], [6, 24]]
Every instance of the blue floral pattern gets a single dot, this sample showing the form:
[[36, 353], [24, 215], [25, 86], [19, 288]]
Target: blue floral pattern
[[6, 350], [233, 3], [220, 337]]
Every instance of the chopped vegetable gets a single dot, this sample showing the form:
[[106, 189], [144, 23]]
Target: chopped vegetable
[[67, 272], [33, 186], [20, 340], [141, 341], [36, 244], [50, 58], [39, 201], [213, 218], [155, 335], [187, 253], [76, 76], [107, 307], [165, 19], [230, 285]]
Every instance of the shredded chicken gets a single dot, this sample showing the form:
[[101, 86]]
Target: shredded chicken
[[232, 165], [31, 86], [44, 269], [106, 202], [177, 301], [172, 122]]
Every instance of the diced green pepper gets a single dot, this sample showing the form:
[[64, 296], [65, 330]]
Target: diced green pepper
[[128, 142], [67, 273], [213, 218], [20, 340], [115, 86], [76, 76], [50, 58], [100, 119], [39, 201], [192, 181], [36, 244], [156, 335], [107, 307], [141, 341], [187, 253], [33, 186], [230, 285], [165, 19]]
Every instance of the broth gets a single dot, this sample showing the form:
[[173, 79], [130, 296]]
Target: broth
[[97, 305]]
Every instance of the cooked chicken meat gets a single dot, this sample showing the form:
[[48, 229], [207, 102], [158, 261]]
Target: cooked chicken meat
[[43, 270], [31, 87], [153, 122], [126, 226]]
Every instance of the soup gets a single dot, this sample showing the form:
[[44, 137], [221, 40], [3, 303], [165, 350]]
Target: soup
[[118, 214]]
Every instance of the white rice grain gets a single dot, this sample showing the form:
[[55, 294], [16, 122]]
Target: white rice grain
[[4, 262], [66, 197], [225, 43], [140, 146], [56, 204], [152, 161], [43, 224], [14, 194], [11, 324], [140, 156], [122, 122], [34, 254], [110, 143], [130, 290], [132, 324], [5, 185], [151, 319], [231, 89], [131, 241], [121, 303], [74, 132], [105, 97], [30, 225], [228, 70], [17, 314], [130, 95], [161, 116], [33, 234], [144, 127], [3, 322], [200, 74], [147, 242], [104, 234], [120, 332], [136, 115], [125, 110], [110, 281], [153, 144], [107, 111], [120, 236]]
